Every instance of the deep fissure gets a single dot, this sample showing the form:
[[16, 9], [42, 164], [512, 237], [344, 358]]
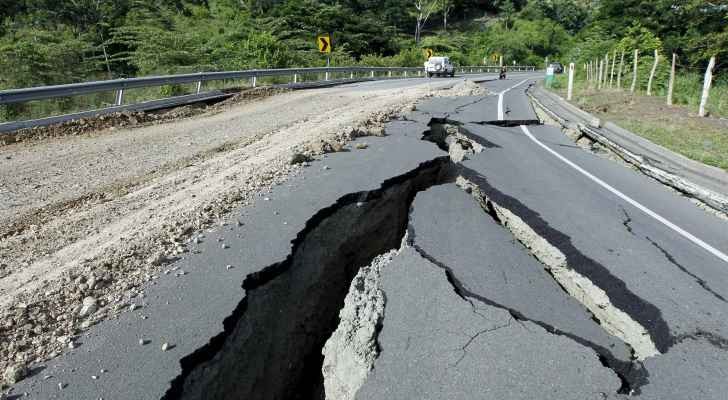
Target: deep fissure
[[271, 344]]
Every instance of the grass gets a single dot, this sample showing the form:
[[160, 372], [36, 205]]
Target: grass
[[707, 146], [676, 127]]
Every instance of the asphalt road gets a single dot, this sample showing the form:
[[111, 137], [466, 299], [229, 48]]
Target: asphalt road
[[469, 311]]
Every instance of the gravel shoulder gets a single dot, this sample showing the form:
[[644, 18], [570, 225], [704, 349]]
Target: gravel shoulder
[[88, 219]]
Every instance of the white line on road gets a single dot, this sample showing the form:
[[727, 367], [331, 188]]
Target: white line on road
[[501, 115], [682, 232]]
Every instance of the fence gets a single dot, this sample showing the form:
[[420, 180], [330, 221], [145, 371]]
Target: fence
[[598, 74], [120, 87]]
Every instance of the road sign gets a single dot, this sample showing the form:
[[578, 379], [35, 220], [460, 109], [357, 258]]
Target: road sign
[[429, 53], [324, 43]]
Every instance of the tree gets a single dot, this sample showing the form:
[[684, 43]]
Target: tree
[[446, 6], [508, 11], [423, 10]]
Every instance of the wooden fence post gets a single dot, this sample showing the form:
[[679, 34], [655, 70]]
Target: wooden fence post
[[601, 69], [672, 80], [611, 74], [619, 73], [634, 71], [571, 82], [588, 72], [652, 73], [706, 86]]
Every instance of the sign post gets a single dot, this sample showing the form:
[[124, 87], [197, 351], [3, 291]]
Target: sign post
[[324, 45]]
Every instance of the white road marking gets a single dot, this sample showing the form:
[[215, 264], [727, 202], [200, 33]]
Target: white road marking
[[687, 235], [501, 115]]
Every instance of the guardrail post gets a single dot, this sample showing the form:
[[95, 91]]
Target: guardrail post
[[199, 87], [254, 80], [119, 97], [326, 76], [389, 74], [295, 78], [372, 74], [351, 75], [405, 73]]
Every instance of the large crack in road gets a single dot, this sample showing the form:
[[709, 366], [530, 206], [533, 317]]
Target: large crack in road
[[291, 308]]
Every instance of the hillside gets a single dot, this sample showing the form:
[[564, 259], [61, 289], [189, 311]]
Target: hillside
[[50, 42]]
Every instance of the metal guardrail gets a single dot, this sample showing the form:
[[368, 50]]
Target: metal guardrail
[[352, 74], [119, 85]]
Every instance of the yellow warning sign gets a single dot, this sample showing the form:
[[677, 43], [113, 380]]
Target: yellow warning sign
[[324, 43], [429, 53]]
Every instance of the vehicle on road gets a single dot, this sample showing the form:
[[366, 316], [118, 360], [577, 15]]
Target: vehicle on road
[[440, 66], [558, 67]]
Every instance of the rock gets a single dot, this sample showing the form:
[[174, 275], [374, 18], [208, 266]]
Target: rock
[[299, 158], [376, 131], [15, 373], [88, 307], [157, 259], [361, 146], [165, 346]]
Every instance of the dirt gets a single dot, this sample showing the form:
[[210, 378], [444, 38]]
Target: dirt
[[610, 103], [90, 218]]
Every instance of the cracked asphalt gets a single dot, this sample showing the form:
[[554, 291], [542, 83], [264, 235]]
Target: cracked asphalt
[[471, 311]]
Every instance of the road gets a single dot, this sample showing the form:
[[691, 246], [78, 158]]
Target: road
[[470, 253]]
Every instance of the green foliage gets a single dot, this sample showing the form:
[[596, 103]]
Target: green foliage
[[31, 56], [60, 41]]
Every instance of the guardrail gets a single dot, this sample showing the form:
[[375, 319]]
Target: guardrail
[[14, 96]]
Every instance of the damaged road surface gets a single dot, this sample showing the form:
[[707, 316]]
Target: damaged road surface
[[469, 253]]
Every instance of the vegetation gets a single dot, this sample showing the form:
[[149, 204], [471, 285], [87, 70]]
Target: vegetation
[[677, 127], [46, 42]]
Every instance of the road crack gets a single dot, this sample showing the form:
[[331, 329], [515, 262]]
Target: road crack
[[700, 281]]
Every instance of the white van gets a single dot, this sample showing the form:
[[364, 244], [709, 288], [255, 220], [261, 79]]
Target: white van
[[440, 66]]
